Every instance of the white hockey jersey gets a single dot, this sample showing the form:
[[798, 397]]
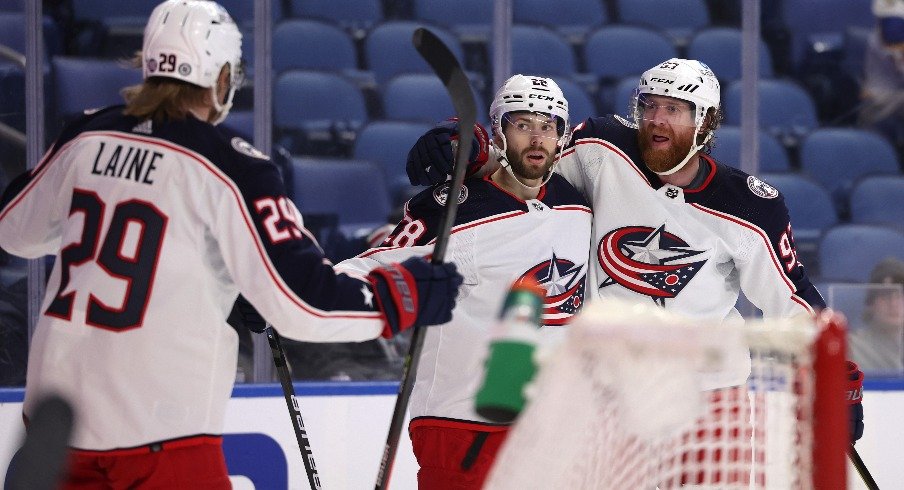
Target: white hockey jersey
[[496, 240], [689, 250], [157, 228]]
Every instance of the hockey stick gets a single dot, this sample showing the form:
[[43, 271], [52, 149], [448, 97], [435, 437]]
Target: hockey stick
[[861, 468], [447, 68], [301, 435]]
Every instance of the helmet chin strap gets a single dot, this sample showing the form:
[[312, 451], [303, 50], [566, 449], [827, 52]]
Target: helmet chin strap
[[503, 160], [222, 110], [693, 151]]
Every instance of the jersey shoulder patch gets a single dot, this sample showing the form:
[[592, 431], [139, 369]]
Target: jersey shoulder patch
[[441, 193], [761, 188], [240, 145]]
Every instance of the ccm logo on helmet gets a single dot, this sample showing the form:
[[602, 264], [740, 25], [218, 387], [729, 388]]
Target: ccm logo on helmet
[[662, 80], [540, 96]]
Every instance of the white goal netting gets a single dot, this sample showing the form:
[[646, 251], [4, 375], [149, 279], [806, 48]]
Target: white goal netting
[[628, 402]]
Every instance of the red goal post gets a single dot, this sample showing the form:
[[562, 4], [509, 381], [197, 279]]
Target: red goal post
[[638, 398]]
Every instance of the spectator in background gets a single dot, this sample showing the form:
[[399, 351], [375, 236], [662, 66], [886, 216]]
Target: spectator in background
[[883, 84], [879, 344]]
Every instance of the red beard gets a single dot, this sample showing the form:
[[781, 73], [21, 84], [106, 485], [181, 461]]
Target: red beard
[[665, 159]]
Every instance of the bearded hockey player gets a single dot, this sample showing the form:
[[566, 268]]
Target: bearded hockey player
[[671, 224], [521, 222], [158, 219]]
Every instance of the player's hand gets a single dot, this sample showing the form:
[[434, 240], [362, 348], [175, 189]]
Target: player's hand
[[415, 293], [854, 398], [430, 160], [245, 315]]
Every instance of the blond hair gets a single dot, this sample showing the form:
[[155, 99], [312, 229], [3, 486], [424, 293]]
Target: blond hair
[[163, 98]]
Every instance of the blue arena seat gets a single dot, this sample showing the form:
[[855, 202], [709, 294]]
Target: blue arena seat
[[323, 113], [786, 110], [809, 205], [105, 28], [12, 34], [541, 51], [849, 252], [613, 52], [727, 149], [241, 122], [420, 97], [114, 15], [81, 83], [580, 104], [242, 12], [678, 18], [720, 48], [622, 96], [388, 50], [354, 190], [836, 157], [878, 199], [303, 44], [573, 19], [358, 17], [386, 143], [12, 6], [470, 20], [809, 20]]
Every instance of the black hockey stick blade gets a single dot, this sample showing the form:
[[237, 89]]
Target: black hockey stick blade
[[861, 469], [450, 72], [301, 434]]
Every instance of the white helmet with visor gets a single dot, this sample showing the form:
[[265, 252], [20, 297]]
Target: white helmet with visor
[[191, 41], [527, 94], [687, 80]]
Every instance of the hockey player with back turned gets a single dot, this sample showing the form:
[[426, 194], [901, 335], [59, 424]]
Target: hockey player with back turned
[[671, 224], [159, 219], [522, 223]]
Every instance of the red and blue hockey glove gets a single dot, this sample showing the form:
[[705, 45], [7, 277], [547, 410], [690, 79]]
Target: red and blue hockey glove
[[855, 398], [415, 293], [430, 160]]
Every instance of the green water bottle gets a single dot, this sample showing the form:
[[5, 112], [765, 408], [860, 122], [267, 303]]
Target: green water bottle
[[510, 365]]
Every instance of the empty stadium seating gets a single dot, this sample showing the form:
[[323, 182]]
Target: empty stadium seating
[[836, 157], [848, 252], [727, 149], [354, 190], [720, 48], [317, 112]]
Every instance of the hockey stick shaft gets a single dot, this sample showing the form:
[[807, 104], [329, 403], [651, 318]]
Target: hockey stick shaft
[[448, 69], [861, 469], [301, 435]]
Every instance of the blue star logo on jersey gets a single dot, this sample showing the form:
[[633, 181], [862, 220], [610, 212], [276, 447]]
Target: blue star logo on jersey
[[647, 261], [564, 284]]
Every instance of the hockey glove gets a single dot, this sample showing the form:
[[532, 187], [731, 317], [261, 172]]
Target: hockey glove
[[415, 293], [855, 398], [243, 314], [430, 160]]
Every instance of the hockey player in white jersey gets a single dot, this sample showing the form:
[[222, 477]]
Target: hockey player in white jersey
[[671, 224], [521, 222], [158, 220]]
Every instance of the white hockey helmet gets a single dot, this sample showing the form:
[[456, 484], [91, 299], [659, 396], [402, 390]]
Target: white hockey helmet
[[688, 80], [191, 41], [540, 95], [531, 94]]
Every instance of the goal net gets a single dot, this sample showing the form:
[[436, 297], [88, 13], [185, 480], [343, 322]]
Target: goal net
[[637, 398]]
